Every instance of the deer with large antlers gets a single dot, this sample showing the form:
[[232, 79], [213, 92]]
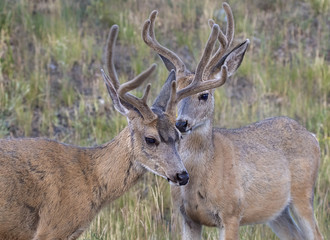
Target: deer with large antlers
[[51, 190], [261, 173]]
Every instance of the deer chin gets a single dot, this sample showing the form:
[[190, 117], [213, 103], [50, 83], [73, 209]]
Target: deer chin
[[194, 128], [153, 171], [173, 183], [187, 132]]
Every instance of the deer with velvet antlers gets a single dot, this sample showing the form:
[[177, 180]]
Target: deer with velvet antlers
[[51, 190], [261, 173]]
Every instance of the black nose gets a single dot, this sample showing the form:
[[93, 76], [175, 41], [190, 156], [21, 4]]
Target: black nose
[[181, 125], [182, 178]]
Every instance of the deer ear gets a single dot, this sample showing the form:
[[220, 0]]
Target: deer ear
[[232, 60], [168, 64], [114, 95], [165, 92]]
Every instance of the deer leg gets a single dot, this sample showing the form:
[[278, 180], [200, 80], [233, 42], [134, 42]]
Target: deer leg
[[285, 227], [45, 232], [191, 230], [230, 229], [222, 233], [302, 210], [176, 217], [40, 236], [52, 226], [49, 235]]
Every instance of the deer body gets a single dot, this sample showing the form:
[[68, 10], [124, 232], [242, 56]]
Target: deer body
[[51, 190], [261, 173], [46, 181], [247, 176]]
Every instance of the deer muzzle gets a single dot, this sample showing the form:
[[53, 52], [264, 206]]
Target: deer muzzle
[[182, 125], [181, 178]]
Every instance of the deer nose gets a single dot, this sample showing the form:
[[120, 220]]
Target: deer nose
[[183, 178], [181, 125]]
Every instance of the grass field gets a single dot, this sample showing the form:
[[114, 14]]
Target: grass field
[[51, 53]]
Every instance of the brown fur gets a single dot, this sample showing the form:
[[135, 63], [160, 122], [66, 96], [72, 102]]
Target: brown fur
[[255, 174], [51, 190], [247, 176], [250, 175]]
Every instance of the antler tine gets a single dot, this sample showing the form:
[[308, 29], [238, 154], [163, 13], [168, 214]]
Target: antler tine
[[112, 37], [116, 90], [138, 103], [203, 85], [171, 104], [222, 37], [148, 35], [230, 24], [197, 85], [225, 40], [201, 65], [207, 52], [113, 93]]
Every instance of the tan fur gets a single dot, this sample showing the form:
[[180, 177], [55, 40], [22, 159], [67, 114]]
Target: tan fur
[[51, 190], [250, 175], [255, 174]]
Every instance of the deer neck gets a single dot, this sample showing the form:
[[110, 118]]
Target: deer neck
[[115, 167], [197, 146]]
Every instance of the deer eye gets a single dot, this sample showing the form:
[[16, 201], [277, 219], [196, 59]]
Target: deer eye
[[203, 96], [150, 141]]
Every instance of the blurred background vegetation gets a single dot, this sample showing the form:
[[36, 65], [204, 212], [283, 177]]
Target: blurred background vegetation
[[51, 53]]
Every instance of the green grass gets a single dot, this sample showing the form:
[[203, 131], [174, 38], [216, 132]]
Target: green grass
[[50, 84]]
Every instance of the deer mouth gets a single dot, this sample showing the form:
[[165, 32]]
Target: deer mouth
[[179, 179], [172, 182], [187, 131], [191, 128], [176, 183], [187, 126]]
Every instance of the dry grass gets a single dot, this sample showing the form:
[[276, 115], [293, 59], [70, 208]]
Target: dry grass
[[50, 85]]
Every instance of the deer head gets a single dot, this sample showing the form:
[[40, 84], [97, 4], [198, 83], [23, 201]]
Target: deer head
[[196, 90], [153, 133]]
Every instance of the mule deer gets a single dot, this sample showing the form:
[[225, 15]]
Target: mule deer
[[51, 190], [260, 173]]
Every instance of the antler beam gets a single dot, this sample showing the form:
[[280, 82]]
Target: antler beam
[[148, 35], [225, 41], [122, 90]]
